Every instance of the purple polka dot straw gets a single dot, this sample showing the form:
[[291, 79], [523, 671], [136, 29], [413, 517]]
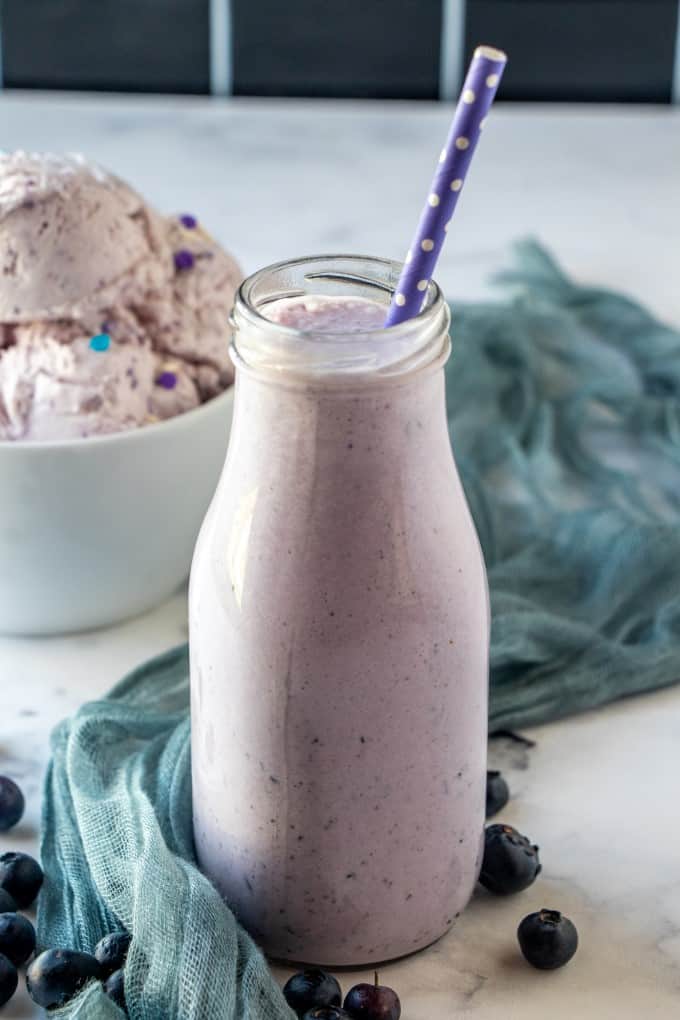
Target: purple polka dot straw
[[479, 89]]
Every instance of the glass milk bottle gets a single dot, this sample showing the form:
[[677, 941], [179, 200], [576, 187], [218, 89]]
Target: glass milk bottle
[[339, 629]]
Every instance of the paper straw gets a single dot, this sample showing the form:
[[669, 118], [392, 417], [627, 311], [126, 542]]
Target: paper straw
[[479, 89]]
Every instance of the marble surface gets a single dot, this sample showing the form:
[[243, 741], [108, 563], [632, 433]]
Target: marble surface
[[598, 792]]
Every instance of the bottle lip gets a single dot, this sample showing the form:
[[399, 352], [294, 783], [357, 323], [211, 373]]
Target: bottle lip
[[388, 350]]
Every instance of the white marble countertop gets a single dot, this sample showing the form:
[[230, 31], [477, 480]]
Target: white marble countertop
[[272, 178]]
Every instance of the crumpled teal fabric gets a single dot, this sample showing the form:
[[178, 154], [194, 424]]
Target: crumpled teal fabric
[[117, 849], [564, 407]]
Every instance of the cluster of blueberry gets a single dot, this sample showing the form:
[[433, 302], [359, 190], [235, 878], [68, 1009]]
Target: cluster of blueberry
[[316, 995], [20, 881], [54, 976], [510, 864]]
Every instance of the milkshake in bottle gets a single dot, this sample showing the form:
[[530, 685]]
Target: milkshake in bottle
[[339, 628]]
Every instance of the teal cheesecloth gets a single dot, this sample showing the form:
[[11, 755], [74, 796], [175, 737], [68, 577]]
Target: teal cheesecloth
[[564, 406]]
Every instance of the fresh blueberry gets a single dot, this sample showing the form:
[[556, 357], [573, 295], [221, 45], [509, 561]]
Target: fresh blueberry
[[17, 938], [111, 951], [7, 903], [311, 988], [21, 877], [55, 976], [12, 803], [497, 793], [327, 1013], [372, 1002], [8, 979], [510, 861], [547, 939], [114, 986]]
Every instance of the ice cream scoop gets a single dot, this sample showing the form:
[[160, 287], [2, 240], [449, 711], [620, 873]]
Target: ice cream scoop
[[69, 230]]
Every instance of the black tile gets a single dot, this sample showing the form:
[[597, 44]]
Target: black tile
[[127, 45], [380, 48], [605, 50]]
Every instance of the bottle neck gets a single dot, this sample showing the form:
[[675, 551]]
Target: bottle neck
[[337, 357], [376, 429]]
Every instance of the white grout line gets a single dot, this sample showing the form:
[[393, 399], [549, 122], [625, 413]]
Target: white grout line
[[675, 89], [220, 48], [452, 51]]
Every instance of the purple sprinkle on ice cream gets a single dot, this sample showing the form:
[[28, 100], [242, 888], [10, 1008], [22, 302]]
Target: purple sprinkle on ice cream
[[183, 259], [188, 221], [168, 380]]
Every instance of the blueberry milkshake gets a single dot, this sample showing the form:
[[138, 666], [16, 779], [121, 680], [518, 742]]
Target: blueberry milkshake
[[339, 636]]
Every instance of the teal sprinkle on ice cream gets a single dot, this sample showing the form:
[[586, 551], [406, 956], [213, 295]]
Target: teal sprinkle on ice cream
[[100, 343]]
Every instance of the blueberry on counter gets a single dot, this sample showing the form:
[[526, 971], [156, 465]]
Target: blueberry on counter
[[21, 876], [547, 939], [9, 979], [497, 793], [510, 861], [311, 988], [372, 1002], [327, 1013], [114, 986], [7, 903], [111, 951], [17, 938], [55, 976], [12, 803]]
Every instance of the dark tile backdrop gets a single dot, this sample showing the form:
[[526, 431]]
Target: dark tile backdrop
[[560, 49], [608, 50], [384, 48], [126, 45]]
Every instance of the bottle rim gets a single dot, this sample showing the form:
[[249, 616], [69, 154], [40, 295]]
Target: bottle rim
[[261, 344]]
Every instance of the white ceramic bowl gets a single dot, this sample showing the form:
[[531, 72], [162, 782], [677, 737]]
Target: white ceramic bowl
[[96, 530]]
